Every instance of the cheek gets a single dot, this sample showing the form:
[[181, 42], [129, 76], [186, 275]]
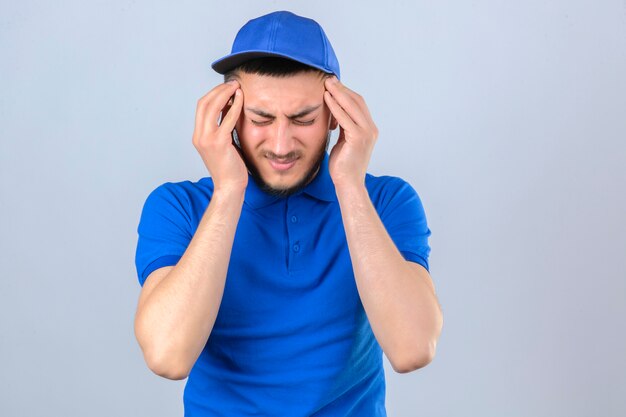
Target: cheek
[[249, 135], [321, 129]]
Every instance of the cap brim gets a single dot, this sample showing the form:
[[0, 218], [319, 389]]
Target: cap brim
[[223, 65]]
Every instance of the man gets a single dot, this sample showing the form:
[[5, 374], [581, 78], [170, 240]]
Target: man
[[276, 283]]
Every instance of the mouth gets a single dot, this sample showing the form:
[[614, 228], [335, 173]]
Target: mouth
[[282, 164]]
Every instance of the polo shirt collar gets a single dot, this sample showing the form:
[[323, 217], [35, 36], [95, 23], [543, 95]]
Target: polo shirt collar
[[255, 197], [321, 188]]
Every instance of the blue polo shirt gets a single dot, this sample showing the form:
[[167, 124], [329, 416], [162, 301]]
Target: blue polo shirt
[[291, 337]]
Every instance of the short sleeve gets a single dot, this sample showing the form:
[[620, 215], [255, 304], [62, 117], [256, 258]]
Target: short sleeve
[[404, 217], [164, 230]]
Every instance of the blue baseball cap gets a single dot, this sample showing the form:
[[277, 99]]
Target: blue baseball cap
[[281, 34]]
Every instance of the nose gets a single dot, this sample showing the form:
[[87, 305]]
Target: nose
[[281, 141]]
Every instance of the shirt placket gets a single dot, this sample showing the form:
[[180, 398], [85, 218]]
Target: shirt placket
[[295, 241]]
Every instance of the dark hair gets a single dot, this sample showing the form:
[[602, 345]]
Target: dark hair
[[272, 66]]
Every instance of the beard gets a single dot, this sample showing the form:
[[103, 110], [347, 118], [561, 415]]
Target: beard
[[299, 185]]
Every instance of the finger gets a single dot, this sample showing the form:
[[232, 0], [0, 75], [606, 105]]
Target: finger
[[343, 118], [351, 102], [204, 101], [226, 108], [221, 100], [358, 99], [201, 108], [230, 120], [209, 106]]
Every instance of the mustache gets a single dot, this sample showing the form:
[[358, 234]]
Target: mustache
[[287, 157]]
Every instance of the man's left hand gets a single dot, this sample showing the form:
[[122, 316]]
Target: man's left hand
[[350, 156]]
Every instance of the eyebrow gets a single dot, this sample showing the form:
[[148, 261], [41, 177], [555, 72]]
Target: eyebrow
[[305, 111]]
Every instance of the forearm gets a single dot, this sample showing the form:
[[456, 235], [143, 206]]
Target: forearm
[[175, 319], [397, 295]]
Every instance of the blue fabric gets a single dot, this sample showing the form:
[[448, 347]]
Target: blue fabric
[[282, 34], [291, 336]]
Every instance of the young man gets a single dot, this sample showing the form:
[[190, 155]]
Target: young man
[[277, 283]]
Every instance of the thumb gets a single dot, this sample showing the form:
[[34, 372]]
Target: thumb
[[229, 121]]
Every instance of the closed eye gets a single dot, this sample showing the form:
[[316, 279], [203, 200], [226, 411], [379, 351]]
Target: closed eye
[[297, 122]]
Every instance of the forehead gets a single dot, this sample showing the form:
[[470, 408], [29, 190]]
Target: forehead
[[301, 89]]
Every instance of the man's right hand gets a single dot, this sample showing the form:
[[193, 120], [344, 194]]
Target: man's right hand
[[214, 141]]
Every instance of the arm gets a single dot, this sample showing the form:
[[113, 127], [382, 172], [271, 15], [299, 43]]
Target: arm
[[397, 295], [178, 305]]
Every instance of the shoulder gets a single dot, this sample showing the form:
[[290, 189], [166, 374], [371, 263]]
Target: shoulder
[[384, 182], [385, 190], [184, 198], [182, 192]]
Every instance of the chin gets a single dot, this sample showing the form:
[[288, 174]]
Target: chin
[[287, 183], [283, 187]]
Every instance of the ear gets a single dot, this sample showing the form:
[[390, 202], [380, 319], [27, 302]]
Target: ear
[[333, 123]]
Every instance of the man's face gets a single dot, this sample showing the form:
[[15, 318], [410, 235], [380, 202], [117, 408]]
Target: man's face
[[283, 129]]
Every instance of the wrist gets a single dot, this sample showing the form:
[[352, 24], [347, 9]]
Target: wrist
[[351, 188], [229, 192]]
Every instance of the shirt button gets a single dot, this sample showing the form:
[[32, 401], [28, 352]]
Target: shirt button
[[296, 248], [294, 219]]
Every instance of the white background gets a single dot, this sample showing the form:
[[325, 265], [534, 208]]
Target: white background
[[508, 118]]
